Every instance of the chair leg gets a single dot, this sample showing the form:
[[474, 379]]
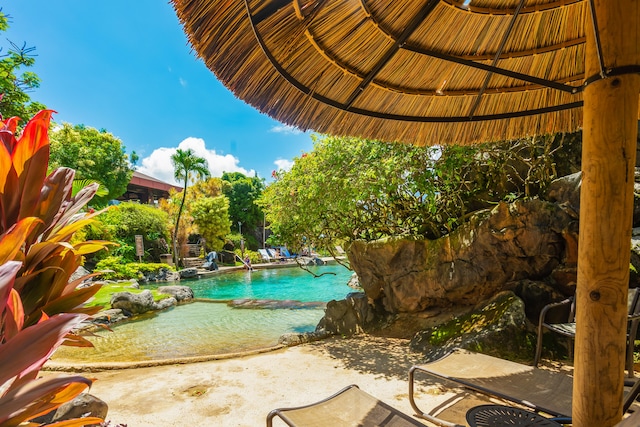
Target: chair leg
[[536, 359], [572, 344], [631, 347]]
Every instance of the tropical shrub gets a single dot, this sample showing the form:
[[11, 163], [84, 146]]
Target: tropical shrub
[[39, 305], [116, 268], [123, 222]]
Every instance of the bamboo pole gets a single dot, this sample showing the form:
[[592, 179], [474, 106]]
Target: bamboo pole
[[606, 207]]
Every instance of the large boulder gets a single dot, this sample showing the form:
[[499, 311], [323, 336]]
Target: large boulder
[[498, 326], [484, 256], [566, 191], [132, 304]]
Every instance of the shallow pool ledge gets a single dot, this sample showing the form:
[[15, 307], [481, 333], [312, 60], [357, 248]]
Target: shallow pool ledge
[[110, 366]]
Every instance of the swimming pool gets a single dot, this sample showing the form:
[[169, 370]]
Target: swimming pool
[[214, 327]]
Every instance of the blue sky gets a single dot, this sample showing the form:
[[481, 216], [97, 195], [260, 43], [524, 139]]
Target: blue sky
[[126, 66]]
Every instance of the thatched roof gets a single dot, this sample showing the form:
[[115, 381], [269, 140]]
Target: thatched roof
[[423, 71]]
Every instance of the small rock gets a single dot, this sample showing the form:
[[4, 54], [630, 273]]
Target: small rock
[[84, 405], [165, 303], [180, 293], [188, 273], [107, 317]]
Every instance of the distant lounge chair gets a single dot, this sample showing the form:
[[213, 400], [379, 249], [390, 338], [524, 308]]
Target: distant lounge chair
[[285, 253], [340, 251], [350, 407], [265, 255], [272, 254], [540, 390]]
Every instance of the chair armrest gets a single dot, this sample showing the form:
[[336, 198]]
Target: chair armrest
[[546, 308]]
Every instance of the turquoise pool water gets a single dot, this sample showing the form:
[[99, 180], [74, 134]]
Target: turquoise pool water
[[214, 327], [276, 284]]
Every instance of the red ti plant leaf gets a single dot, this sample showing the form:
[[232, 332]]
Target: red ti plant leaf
[[55, 191], [11, 241], [38, 397], [7, 277], [77, 422], [20, 183], [14, 317], [34, 137], [8, 139], [26, 352], [8, 131]]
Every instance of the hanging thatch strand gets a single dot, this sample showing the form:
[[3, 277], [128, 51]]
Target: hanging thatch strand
[[479, 70]]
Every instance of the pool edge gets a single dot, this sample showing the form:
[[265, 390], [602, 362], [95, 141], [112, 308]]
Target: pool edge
[[97, 367]]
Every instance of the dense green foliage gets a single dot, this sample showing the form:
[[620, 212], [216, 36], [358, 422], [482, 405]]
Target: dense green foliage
[[211, 216], [242, 192], [187, 167], [349, 188], [117, 268], [95, 155], [123, 222], [15, 82]]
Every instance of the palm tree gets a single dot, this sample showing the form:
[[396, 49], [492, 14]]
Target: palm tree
[[187, 166]]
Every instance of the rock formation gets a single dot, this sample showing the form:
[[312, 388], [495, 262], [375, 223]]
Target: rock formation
[[479, 287], [488, 254]]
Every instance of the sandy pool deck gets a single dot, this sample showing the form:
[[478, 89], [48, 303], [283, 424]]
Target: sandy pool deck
[[242, 391]]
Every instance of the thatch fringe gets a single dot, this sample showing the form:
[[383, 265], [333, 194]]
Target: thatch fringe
[[339, 69]]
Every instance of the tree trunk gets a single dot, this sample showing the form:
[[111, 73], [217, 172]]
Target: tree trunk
[[606, 206], [175, 229]]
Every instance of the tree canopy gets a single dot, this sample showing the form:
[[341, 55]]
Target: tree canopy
[[95, 155], [350, 188], [211, 216], [15, 80], [242, 192]]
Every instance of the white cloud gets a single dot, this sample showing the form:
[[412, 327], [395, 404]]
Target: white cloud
[[283, 164], [183, 82], [158, 164], [287, 130]]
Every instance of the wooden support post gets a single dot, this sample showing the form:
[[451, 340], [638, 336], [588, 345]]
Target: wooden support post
[[606, 207]]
